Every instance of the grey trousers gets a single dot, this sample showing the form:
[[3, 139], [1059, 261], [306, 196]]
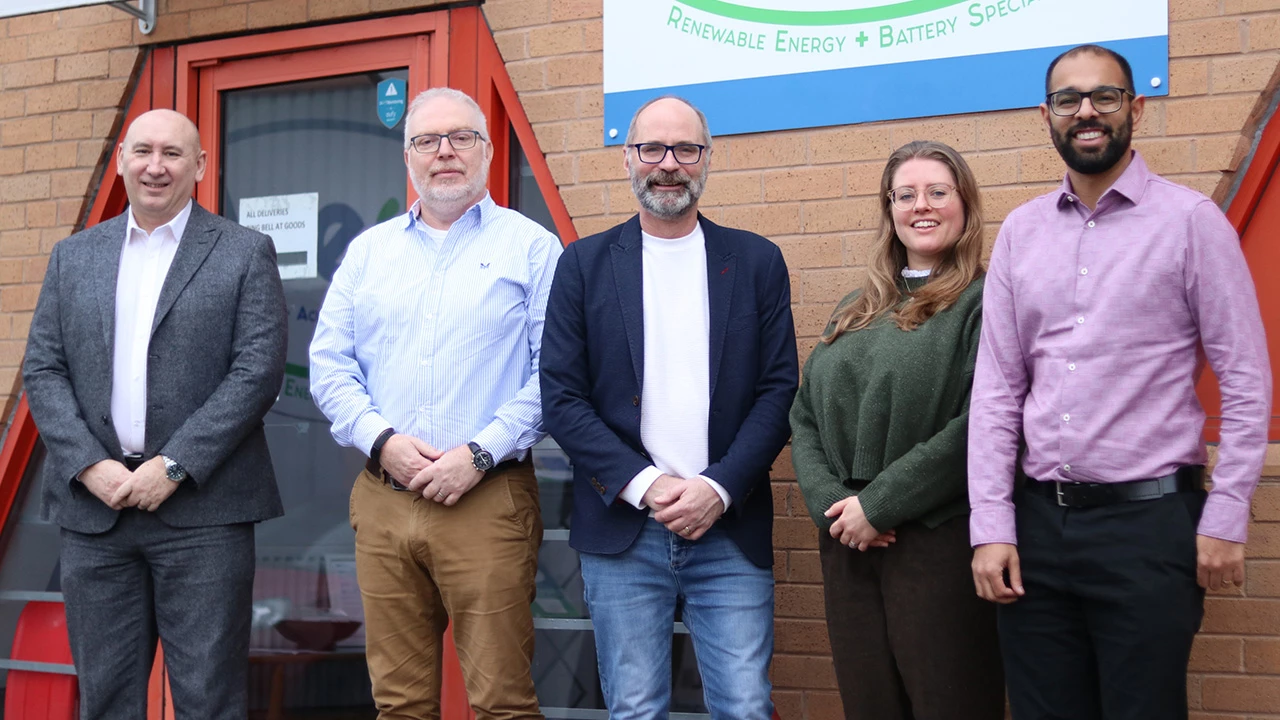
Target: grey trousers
[[143, 581]]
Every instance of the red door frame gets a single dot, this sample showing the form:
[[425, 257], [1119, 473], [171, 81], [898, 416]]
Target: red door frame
[[456, 48], [1264, 262]]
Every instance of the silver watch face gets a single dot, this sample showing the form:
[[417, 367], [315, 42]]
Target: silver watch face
[[173, 470]]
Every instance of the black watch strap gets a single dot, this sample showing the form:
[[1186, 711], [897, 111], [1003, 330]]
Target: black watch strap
[[375, 451]]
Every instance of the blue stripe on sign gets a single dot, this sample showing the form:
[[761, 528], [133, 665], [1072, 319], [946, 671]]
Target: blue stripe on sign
[[924, 88]]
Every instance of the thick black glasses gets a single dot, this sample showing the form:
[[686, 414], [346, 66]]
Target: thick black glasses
[[1105, 100], [428, 143], [654, 153]]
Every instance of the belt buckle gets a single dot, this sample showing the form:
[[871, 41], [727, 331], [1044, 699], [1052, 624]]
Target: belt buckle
[[1058, 491]]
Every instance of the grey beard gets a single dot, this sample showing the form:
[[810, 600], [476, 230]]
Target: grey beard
[[668, 205]]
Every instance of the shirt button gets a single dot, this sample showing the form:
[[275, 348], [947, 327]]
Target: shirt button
[[1071, 367], [1091, 223], [1080, 320], [1070, 199], [1066, 417], [424, 363], [1066, 468], [422, 408], [1084, 271]]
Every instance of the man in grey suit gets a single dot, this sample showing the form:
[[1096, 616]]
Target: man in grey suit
[[157, 346]]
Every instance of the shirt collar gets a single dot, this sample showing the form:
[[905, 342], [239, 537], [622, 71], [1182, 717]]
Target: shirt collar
[[177, 225], [1131, 184], [480, 210]]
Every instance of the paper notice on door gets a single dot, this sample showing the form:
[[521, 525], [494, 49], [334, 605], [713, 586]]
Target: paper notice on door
[[292, 222]]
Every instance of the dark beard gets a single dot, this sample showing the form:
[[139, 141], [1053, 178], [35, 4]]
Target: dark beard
[[1093, 163]]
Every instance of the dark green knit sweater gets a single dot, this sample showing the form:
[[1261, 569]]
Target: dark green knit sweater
[[883, 414]]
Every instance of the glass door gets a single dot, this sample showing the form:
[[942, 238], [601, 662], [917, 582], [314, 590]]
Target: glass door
[[308, 148]]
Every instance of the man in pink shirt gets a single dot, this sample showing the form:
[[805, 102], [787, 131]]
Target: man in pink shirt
[[1090, 521]]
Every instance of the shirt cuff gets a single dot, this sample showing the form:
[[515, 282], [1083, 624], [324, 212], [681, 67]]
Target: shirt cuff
[[1224, 518], [724, 494], [367, 430], [493, 439], [634, 491], [992, 525]]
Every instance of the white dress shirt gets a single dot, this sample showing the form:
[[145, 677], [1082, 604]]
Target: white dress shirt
[[676, 397], [144, 264]]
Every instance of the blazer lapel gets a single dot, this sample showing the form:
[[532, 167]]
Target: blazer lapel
[[107, 247], [628, 264], [197, 240], [721, 273]]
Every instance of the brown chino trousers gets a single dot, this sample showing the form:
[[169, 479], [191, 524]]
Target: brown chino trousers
[[420, 564]]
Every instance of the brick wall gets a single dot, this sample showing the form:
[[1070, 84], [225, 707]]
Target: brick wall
[[811, 191], [64, 80], [64, 77]]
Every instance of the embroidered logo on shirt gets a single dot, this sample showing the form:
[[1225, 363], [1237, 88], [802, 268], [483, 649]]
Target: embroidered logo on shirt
[[484, 266]]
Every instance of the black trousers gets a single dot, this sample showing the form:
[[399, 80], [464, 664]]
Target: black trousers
[[1104, 631], [910, 638], [192, 588]]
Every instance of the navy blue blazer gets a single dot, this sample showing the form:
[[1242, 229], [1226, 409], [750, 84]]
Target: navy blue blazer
[[592, 369]]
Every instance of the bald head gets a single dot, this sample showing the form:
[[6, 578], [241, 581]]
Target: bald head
[[668, 107], [171, 122], [161, 161]]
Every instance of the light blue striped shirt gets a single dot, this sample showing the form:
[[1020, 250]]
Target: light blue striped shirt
[[438, 340]]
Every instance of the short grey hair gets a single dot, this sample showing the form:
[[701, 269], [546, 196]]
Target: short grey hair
[[702, 119], [427, 96]]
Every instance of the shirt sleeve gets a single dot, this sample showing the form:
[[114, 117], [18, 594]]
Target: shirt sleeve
[[1000, 386], [517, 424], [338, 383], [633, 493], [1224, 305]]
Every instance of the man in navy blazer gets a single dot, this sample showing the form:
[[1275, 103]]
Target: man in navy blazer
[[668, 369]]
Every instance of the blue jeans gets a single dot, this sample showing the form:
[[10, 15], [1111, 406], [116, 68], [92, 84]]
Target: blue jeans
[[728, 608]]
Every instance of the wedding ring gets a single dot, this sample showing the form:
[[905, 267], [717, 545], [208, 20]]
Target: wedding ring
[[685, 531]]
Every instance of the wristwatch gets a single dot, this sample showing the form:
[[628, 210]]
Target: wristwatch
[[173, 470], [481, 459], [375, 451]]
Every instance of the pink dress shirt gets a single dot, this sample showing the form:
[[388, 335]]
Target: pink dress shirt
[[1093, 325]]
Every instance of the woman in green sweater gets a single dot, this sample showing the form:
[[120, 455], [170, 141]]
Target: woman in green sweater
[[879, 432]]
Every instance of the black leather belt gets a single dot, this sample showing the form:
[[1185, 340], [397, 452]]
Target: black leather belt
[[1084, 495], [376, 470], [133, 462]]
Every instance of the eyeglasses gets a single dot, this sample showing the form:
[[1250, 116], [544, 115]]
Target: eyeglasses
[[428, 143], [904, 198], [1105, 100], [654, 153]]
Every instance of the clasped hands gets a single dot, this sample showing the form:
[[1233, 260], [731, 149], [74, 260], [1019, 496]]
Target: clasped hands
[[439, 476], [687, 507], [853, 529], [118, 488]]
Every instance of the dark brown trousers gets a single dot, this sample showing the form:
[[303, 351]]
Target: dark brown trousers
[[910, 638]]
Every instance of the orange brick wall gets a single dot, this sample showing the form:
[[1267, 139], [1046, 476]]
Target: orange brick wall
[[811, 191], [65, 76]]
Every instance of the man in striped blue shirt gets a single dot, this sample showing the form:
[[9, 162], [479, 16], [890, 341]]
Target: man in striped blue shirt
[[425, 358]]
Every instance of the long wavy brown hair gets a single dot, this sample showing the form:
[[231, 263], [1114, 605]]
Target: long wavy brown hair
[[959, 265]]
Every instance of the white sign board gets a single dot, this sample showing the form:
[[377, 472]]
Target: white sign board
[[758, 65], [292, 222]]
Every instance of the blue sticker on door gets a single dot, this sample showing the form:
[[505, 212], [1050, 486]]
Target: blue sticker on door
[[391, 101]]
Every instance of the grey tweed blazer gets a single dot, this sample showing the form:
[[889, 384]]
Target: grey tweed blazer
[[216, 364]]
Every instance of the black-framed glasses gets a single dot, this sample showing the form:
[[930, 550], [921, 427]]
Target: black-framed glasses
[[428, 143], [654, 153], [1105, 100], [936, 195]]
